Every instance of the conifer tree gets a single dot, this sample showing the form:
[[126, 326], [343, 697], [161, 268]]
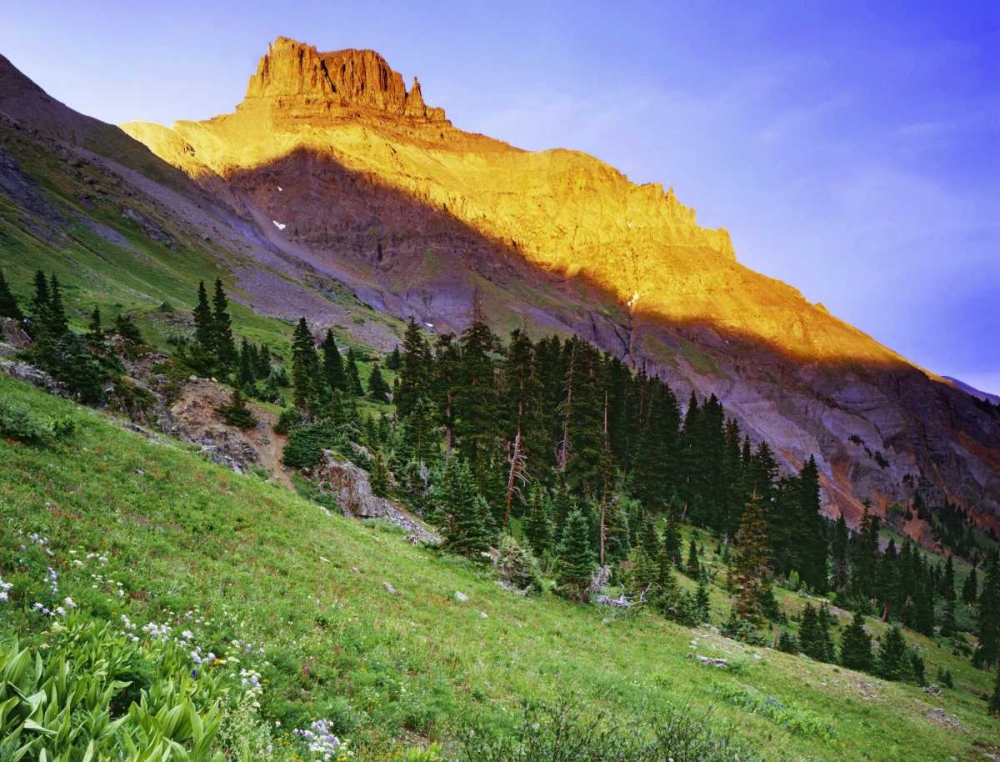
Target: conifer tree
[[58, 324], [672, 538], [970, 590], [354, 387], [8, 302], [380, 476], [394, 361], [537, 524], [41, 301], [420, 432], [222, 329], [414, 372], [948, 624], [893, 656], [246, 374], [787, 643], [575, 560], [856, 646], [702, 601], [333, 363], [128, 330], [810, 638], [304, 366], [236, 413], [378, 389], [693, 566], [751, 572], [95, 330], [988, 653], [204, 325], [467, 521], [838, 553]]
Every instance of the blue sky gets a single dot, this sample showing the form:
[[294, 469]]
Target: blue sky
[[852, 149]]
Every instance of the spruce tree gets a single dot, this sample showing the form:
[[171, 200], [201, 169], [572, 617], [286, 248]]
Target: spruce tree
[[988, 653], [838, 553], [856, 646], [415, 369], [466, 518], [703, 601], [8, 302], [333, 363], [693, 566], [354, 387], [537, 524], [222, 329], [575, 560], [787, 643], [58, 325], [893, 656], [751, 572], [672, 538], [378, 389], [95, 330], [394, 361], [970, 590], [77, 367], [236, 413], [204, 326], [304, 367]]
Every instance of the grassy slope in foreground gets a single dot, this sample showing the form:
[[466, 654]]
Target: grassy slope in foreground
[[274, 569]]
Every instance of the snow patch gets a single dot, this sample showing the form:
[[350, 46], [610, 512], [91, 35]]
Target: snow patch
[[429, 325], [280, 189], [631, 302], [279, 225]]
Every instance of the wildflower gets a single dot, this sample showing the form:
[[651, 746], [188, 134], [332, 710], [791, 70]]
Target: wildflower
[[5, 590], [69, 603]]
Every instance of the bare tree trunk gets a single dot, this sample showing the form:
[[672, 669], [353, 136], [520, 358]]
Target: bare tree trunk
[[515, 462], [567, 410]]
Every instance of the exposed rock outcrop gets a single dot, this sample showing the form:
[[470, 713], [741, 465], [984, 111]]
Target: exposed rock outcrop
[[295, 75], [349, 486]]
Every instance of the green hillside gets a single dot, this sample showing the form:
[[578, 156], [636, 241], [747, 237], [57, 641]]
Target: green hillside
[[258, 565]]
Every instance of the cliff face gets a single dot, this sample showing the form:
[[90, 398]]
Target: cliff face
[[294, 76], [336, 160]]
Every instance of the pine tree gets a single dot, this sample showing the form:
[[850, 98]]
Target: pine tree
[[380, 476], [222, 329], [787, 643], [838, 553], [948, 624], [204, 325], [8, 302], [236, 413], [95, 330], [856, 646], [415, 369], [394, 361], [893, 656], [970, 590], [751, 572], [693, 566], [305, 367], [672, 538], [333, 364], [575, 560], [988, 653], [354, 387], [537, 524], [128, 330], [58, 325], [702, 601], [378, 389], [466, 516], [77, 368], [246, 374]]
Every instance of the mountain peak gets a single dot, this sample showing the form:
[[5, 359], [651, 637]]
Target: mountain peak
[[296, 73]]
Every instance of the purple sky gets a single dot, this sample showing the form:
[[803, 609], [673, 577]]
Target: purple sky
[[852, 149]]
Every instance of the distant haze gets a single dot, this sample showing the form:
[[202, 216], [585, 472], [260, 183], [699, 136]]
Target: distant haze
[[852, 152]]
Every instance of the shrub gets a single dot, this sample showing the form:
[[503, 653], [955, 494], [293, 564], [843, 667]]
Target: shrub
[[306, 444], [565, 733], [289, 419], [22, 424], [236, 413]]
